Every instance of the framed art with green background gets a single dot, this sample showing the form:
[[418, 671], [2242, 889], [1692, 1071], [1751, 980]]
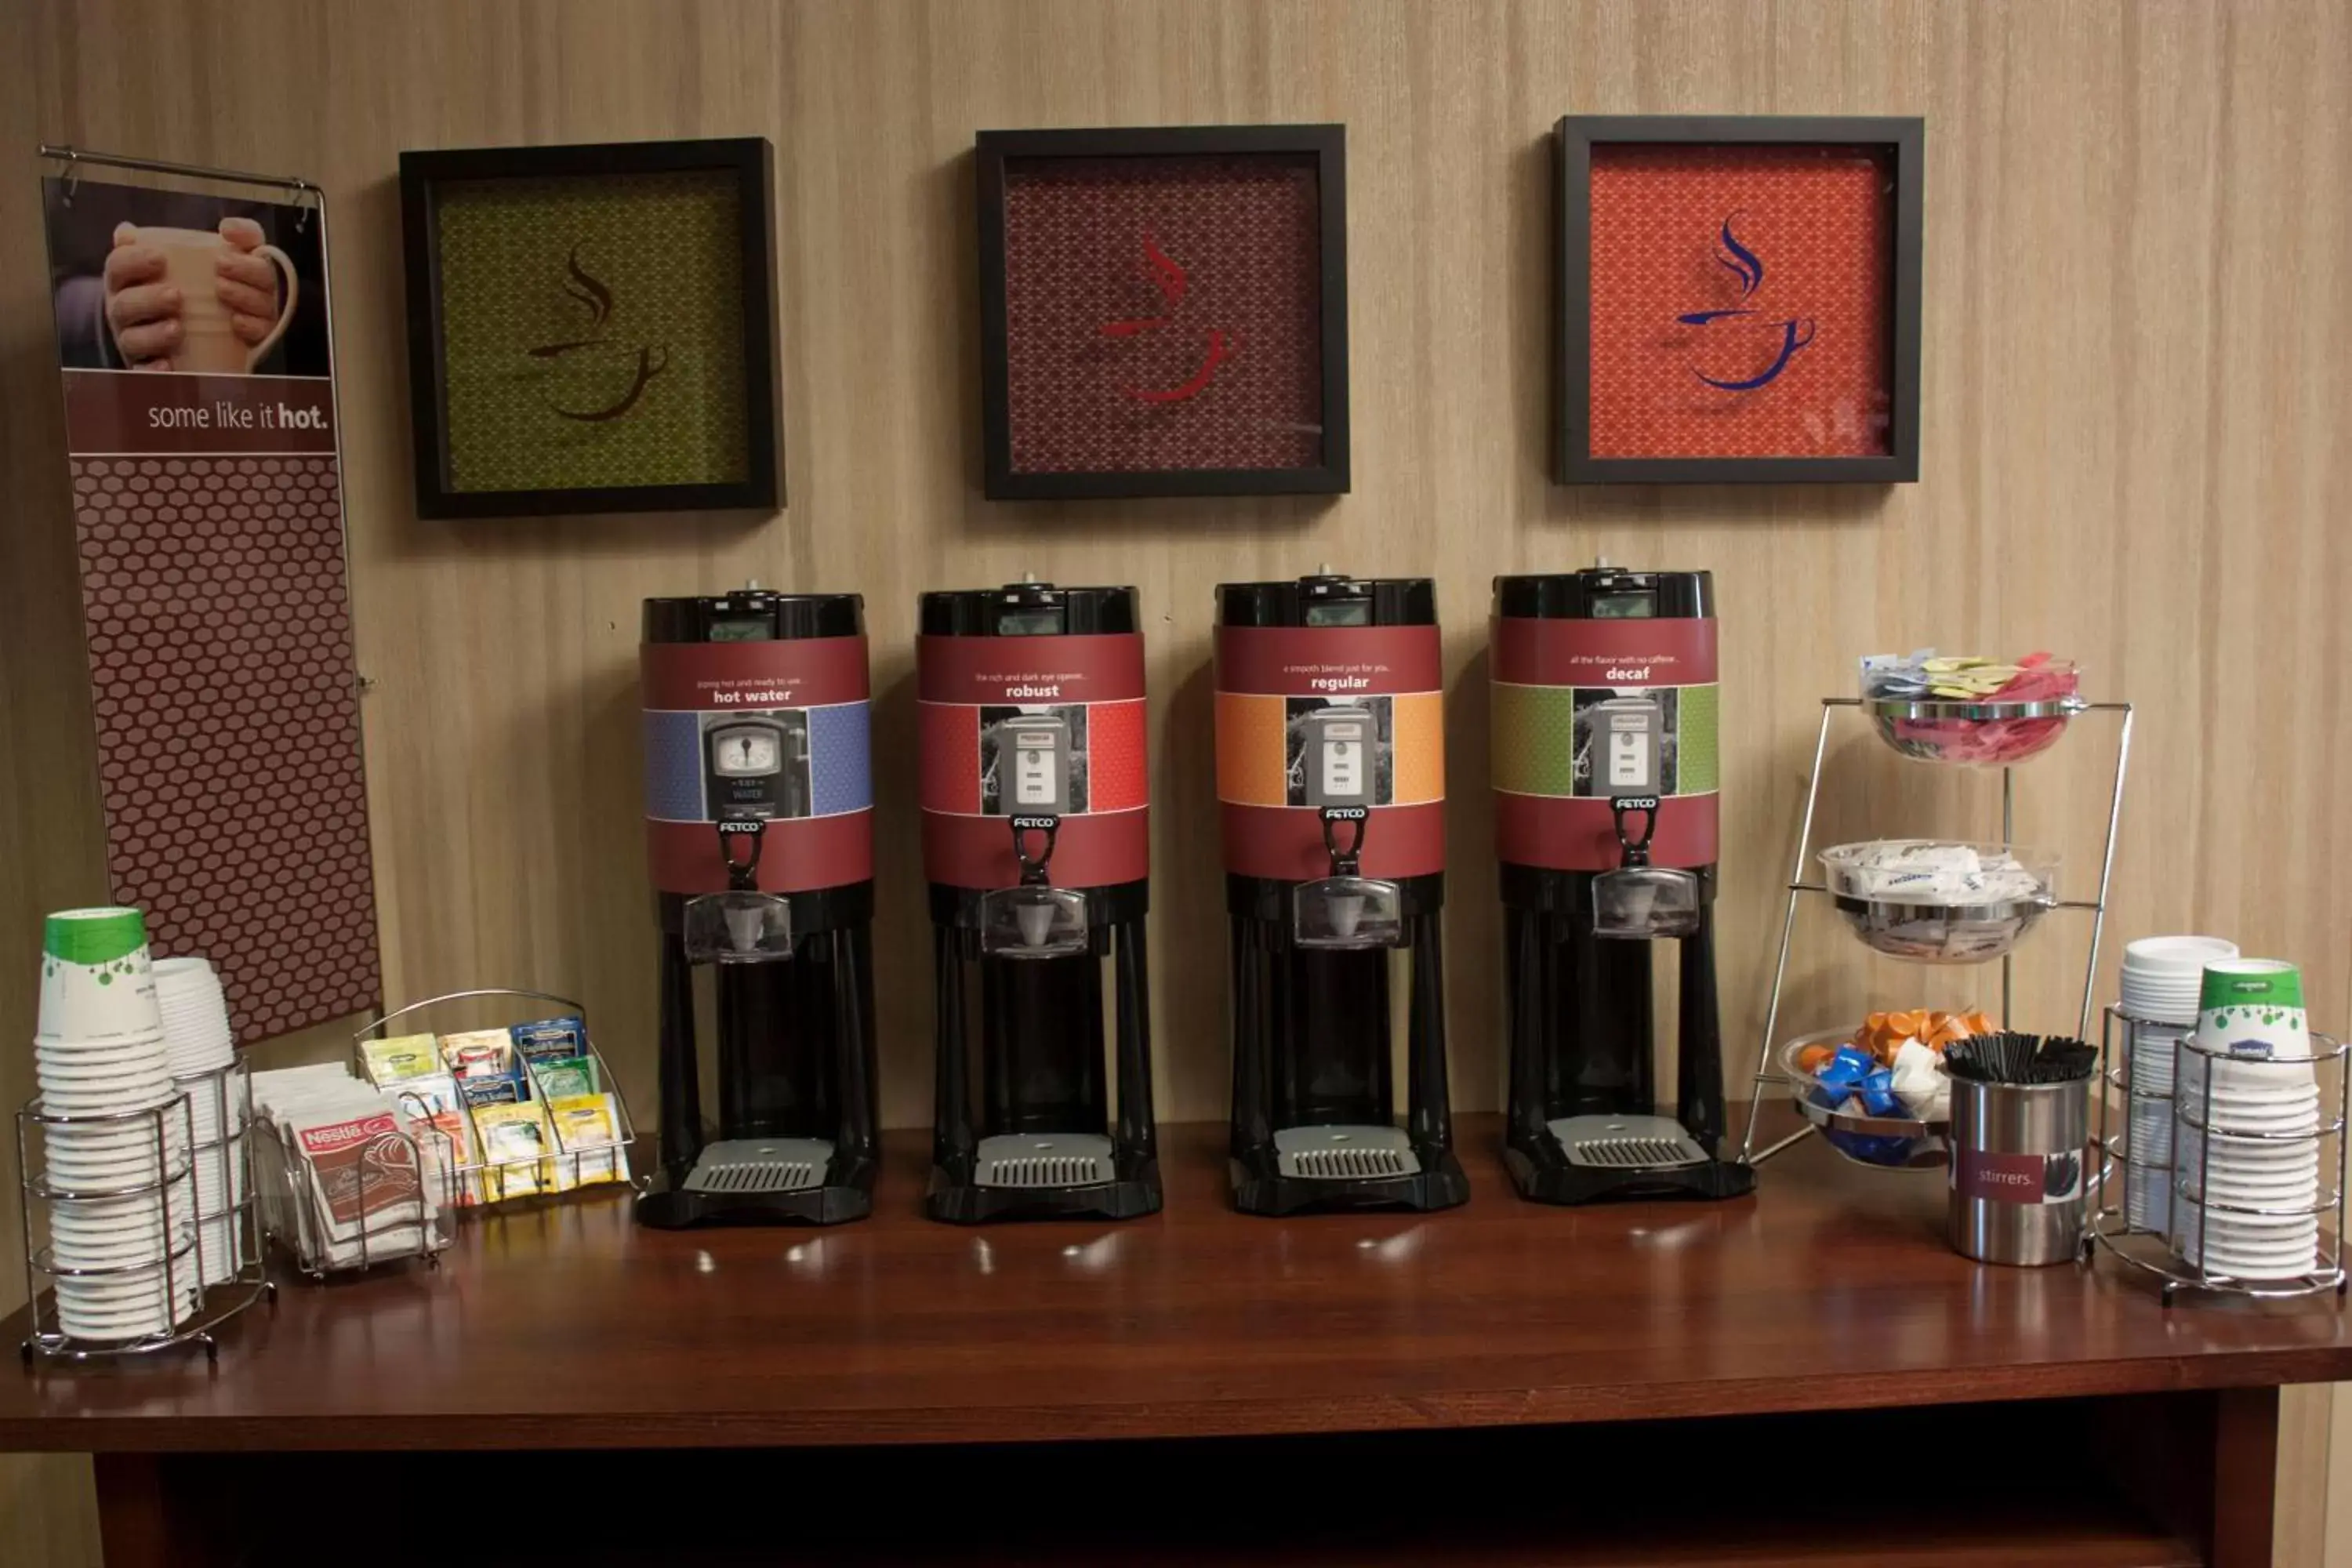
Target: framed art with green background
[[591, 328]]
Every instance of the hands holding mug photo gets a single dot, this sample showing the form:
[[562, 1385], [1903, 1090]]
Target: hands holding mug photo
[[192, 300]]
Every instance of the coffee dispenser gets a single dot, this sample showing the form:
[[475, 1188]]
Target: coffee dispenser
[[1331, 786], [1036, 840], [1605, 773], [758, 820]]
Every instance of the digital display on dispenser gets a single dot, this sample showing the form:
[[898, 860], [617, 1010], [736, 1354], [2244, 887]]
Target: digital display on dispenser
[[1029, 624], [740, 629], [1341, 612], [1638, 607]]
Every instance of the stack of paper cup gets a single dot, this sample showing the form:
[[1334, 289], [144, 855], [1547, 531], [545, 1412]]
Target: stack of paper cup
[[2162, 978], [203, 1057], [101, 1059], [2246, 1175]]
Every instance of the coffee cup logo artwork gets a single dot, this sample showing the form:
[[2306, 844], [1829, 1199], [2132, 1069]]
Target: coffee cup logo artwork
[[594, 392], [207, 489]]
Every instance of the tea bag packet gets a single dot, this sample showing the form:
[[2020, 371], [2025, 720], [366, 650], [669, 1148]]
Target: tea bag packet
[[480, 1052], [505, 1090], [588, 1130], [557, 1038], [515, 1141], [564, 1078], [400, 1058]]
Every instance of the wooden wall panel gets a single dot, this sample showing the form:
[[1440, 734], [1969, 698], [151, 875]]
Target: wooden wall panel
[[2138, 319]]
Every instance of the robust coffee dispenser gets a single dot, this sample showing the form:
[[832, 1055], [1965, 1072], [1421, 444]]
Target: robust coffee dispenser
[[1036, 841], [759, 819], [1605, 770], [1332, 785]]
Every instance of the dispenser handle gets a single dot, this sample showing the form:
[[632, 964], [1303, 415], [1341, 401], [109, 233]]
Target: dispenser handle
[[742, 869], [1635, 851], [1033, 872], [1345, 862]]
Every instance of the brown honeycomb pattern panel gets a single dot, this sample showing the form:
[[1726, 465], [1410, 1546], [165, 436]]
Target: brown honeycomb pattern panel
[[228, 726]]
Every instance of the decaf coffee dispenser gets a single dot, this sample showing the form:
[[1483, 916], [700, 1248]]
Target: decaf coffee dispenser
[[1036, 839], [1332, 785], [760, 823], [1605, 772]]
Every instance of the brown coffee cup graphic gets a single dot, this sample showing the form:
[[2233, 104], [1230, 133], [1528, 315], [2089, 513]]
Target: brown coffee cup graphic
[[208, 343]]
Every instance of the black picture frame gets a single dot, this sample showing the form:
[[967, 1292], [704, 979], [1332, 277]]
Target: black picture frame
[[1328, 145], [1577, 135], [751, 161]]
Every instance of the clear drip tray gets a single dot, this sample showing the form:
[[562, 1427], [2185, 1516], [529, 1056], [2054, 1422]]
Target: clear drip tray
[[1346, 911], [1032, 921], [739, 927]]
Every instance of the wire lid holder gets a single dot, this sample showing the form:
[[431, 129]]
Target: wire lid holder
[[1766, 1078]]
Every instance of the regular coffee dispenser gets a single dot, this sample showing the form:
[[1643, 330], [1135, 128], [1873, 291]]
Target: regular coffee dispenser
[[1331, 786], [1036, 843], [760, 824], [1605, 773]]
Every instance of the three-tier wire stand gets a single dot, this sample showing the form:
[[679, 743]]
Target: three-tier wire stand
[[2143, 1198], [211, 1266], [1769, 1076]]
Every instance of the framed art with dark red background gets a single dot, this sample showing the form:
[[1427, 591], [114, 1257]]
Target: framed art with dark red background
[[1740, 300], [1163, 312]]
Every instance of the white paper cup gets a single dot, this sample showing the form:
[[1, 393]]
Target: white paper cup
[[97, 982]]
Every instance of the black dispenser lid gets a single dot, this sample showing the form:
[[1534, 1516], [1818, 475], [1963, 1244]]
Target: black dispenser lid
[[1606, 592], [1029, 609], [1327, 598], [754, 614]]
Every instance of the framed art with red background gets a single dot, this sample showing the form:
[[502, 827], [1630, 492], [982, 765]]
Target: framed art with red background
[[1163, 312], [1740, 300]]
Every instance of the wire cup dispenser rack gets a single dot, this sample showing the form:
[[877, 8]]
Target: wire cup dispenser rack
[[1921, 1145], [211, 1264], [418, 1220], [2143, 1198]]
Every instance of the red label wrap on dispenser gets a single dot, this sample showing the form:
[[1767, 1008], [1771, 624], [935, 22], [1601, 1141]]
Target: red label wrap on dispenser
[[1090, 687], [1549, 676], [1271, 682], [811, 690]]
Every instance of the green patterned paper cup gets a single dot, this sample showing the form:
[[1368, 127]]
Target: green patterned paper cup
[[2252, 1007], [96, 983]]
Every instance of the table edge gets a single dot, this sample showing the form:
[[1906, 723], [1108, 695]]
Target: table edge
[[1234, 1417]]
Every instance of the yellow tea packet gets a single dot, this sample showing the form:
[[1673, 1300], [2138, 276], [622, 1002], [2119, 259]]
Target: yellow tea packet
[[518, 1132], [588, 1130], [400, 1058]]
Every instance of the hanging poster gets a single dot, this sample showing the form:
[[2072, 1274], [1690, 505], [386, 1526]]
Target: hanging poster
[[200, 429]]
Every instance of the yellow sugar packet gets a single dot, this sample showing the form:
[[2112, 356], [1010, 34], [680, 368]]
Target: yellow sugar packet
[[518, 1133], [400, 1058], [588, 1129]]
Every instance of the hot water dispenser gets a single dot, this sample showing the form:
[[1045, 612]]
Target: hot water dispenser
[[1604, 705], [1331, 789], [758, 822], [1036, 840]]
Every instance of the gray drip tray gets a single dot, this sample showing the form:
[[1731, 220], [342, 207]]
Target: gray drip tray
[[1044, 1160], [761, 1165], [1345, 1154], [1626, 1143]]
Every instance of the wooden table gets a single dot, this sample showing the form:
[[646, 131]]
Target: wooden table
[[1786, 1378]]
